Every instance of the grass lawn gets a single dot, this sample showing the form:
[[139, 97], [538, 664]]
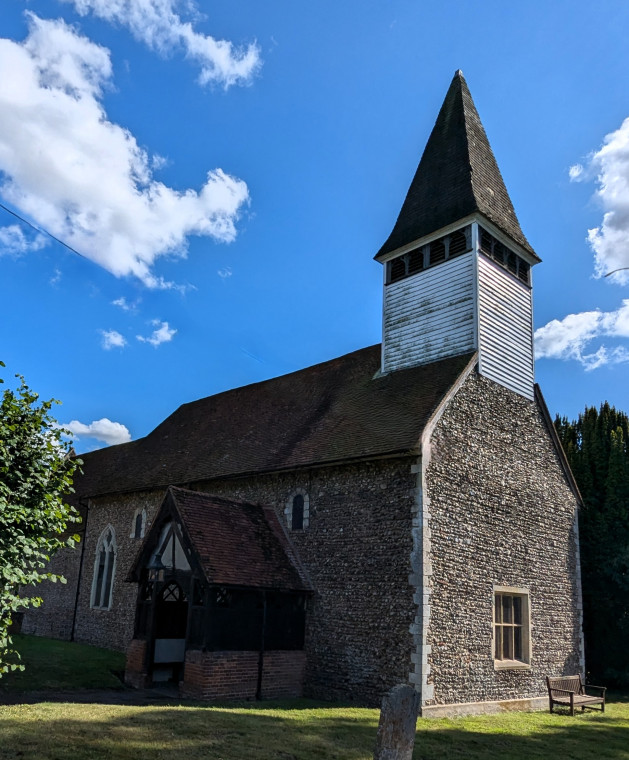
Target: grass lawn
[[294, 731], [61, 665], [298, 730]]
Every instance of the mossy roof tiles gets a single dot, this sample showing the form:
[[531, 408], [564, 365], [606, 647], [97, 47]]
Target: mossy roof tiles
[[237, 543], [331, 412]]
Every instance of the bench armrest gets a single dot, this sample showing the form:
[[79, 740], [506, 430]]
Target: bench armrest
[[561, 691], [602, 689]]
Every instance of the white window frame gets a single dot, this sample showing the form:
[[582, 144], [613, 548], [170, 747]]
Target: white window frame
[[524, 595], [288, 510], [108, 537]]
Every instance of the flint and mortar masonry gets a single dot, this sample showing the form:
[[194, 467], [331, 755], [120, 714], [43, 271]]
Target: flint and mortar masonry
[[501, 513]]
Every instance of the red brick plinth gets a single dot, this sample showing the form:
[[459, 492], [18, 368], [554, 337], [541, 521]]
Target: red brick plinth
[[234, 675], [135, 674]]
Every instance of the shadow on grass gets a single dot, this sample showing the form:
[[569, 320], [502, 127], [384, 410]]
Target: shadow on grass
[[124, 695], [613, 696], [56, 732]]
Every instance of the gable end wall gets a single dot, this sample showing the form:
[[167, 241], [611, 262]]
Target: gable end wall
[[501, 513]]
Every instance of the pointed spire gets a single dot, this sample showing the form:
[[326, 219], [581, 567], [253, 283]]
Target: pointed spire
[[457, 176]]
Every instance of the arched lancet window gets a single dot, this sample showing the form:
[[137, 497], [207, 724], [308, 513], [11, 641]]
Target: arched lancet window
[[297, 510], [297, 518], [138, 525], [104, 569]]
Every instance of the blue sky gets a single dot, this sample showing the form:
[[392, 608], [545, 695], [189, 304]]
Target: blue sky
[[228, 170]]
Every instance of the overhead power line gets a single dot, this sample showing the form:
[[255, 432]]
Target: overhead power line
[[620, 269], [42, 231]]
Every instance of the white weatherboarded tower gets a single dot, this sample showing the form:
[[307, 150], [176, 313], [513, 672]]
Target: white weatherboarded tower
[[457, 267]]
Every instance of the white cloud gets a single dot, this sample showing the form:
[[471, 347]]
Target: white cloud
[[610, 166], [56, 278], [123, 304], [112, 339], [163, 333], [578, 336], [158, 162], [84, 178], [158, 25], [14, 241], [571, 337], [102, 430], [224, 273]]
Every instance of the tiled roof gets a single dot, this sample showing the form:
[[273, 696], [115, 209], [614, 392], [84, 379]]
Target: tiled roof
[[327, 413], [239, 544], [457, 176]]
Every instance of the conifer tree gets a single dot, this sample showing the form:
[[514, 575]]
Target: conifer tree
[[596, 447]]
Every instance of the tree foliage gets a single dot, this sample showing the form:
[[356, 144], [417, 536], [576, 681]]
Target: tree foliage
[[596, 447], [35, 475]]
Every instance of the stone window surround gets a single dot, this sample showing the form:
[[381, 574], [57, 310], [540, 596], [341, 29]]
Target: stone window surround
[[138, 511], [288, 510], [108, 532], [524, 594]]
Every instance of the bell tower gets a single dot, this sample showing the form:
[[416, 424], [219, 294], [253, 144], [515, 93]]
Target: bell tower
[[457, 266]]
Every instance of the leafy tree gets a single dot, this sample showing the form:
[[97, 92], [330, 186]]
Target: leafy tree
[[596, 447], [36, 471]]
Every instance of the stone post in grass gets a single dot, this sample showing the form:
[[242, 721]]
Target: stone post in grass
[[398, 719]]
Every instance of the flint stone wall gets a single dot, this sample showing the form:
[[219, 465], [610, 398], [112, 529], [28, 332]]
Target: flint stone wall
[[113, 628], [500, 512], [356, 551], [55, 617]]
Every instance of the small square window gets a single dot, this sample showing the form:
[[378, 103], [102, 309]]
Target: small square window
[[511, 640]]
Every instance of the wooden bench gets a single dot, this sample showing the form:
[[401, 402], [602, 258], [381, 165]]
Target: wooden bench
[[569, 691]]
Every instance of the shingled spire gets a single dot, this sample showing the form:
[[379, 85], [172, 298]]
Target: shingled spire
[[457, 176]]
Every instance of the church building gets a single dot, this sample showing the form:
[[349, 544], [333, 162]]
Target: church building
[[401, 514]]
